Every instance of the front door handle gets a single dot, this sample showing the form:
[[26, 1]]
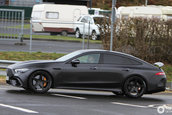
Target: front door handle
[[93, 68]]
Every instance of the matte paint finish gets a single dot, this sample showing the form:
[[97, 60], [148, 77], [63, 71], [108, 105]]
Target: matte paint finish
[[97, 76]]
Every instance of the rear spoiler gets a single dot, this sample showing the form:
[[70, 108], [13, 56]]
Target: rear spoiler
[[158, 64]]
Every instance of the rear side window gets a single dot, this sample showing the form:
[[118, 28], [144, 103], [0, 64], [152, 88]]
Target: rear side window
[[52, 15], [84, 20], [118, 60]]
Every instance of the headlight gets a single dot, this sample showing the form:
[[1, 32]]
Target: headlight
[[21, 70]]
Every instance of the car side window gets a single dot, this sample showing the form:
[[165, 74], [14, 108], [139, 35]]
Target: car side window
[[89, 58], [118, 60], [90, 20], [84, 20]]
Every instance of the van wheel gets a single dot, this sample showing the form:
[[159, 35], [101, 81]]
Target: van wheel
[[77, 34], [64, 33], [93, 36]]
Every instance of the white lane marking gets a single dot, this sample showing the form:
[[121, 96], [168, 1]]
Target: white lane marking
[[132, 105], [69, 96], [18, 108]]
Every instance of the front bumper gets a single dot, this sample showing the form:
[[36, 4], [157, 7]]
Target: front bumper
[[18, 80]]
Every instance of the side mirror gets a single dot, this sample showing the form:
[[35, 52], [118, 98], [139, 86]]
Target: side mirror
[[74, 62]]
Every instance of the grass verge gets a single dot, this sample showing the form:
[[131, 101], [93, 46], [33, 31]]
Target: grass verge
[[49, 37], [2, 80], [26, 26], [22, 56], [61, 38]]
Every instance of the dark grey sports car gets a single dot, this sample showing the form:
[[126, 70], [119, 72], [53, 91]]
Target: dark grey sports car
[[120, 73]]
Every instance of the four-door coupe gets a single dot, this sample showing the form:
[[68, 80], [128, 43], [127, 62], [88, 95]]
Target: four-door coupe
[[120, 73]]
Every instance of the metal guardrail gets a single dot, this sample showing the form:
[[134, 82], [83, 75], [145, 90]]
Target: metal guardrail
[[5, 63]]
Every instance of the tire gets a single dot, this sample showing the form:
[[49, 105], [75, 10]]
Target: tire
[[40, 82], [77, 33], [94, 36], [134, 87], [64, 33]]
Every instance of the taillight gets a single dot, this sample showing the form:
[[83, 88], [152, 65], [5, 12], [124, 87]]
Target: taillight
[[160, 73]]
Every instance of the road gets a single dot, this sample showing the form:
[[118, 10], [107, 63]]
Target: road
[[16, 101], [44, 46]]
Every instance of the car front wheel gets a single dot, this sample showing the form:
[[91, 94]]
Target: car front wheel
[[134, 87], [94, 36], [77, 34], [40, 82]]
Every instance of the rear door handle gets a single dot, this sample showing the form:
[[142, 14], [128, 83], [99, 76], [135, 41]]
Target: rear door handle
[[93, 68]]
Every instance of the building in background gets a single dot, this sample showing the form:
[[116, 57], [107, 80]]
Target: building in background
[[4, 2], [24, 3]]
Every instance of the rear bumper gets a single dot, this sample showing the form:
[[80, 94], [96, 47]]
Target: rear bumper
[[158, 86]]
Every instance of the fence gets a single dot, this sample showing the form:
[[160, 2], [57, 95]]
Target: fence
[[11, 24], [39, 25]]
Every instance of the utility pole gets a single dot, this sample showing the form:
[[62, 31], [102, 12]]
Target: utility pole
[[146, 2], [90, 4], [113, 16]]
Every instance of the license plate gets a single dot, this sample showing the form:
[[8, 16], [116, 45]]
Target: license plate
[[7, 78]]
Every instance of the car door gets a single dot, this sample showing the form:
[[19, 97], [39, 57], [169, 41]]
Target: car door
[[84, 74], [84, 26], [114, 69]]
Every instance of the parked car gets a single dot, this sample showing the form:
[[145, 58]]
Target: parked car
[[56, 18], [120, 73], [91, 27]]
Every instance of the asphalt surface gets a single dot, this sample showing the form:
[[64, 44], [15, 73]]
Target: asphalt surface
[[45, 46], [16, 101]]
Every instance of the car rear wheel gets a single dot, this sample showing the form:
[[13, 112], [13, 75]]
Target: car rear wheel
[[94, 36], [134, 87], [40, 82], [77, 34]]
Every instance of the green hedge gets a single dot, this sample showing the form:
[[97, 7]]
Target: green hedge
[[148, 39]]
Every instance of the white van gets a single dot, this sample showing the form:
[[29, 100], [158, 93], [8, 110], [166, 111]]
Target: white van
[[55, 18]]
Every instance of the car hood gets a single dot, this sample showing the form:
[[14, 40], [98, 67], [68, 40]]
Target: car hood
[[33, 63]]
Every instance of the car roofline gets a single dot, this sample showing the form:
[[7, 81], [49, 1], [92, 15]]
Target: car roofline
[[117, 52]]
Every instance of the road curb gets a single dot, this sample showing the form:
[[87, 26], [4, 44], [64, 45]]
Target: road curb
[[41, 39]]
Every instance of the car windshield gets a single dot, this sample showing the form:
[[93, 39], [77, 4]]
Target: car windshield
[[98, 20], [68, 56]]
